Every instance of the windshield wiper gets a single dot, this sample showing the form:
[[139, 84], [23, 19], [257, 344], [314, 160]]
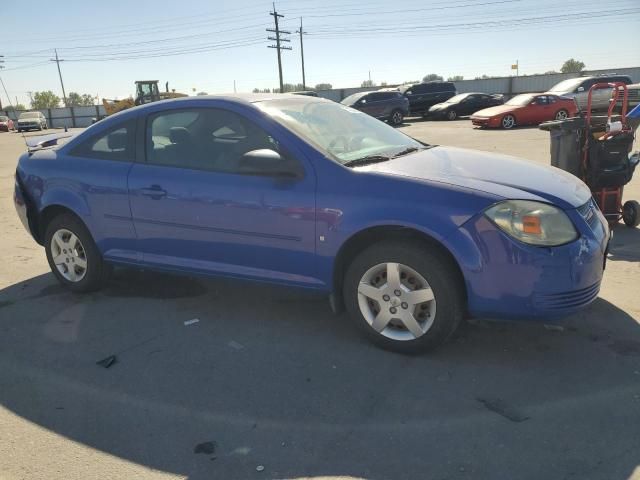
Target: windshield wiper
[[356, 162], [406, 151]]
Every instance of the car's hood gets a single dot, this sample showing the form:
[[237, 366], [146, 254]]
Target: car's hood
[[26, 120], [500, 175], [439, 106], [494, 111]]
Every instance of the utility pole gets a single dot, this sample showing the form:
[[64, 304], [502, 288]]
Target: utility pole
[[5, 88], [278, 41], [302, 32], [57, 60]]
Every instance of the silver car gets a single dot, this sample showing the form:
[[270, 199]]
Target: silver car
[[578, 89], [32, 121]]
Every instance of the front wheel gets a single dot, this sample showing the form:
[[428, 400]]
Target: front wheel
[[631, 213], [396, 118], [391, 291], [73, 255], [452, 115], [508, 121], [562, 115]]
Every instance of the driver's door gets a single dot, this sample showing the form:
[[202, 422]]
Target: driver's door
[[193, 208], [539, 110]]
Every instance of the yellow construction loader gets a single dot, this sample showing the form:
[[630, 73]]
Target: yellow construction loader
[[146, 92]]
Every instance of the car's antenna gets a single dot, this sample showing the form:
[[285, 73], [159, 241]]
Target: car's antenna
[[15, 112]]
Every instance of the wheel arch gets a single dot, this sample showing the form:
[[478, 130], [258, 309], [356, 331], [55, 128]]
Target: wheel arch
[[49, 213], [362, 239]]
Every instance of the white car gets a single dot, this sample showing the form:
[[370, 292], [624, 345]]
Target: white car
[[578, 89], [32, 121]]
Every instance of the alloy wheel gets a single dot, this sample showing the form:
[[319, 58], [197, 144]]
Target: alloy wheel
[[397, 117], [508, 121], [396, 301], [561, 115], [452, 115], [68, 255]]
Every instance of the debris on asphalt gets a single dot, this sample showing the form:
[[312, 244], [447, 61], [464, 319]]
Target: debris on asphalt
[[107, 362], [236, 345], [500, 407], [206, 448], [191, 322], [259, 468], [554, 328]]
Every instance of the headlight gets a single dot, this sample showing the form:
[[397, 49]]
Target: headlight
[[535, 223]]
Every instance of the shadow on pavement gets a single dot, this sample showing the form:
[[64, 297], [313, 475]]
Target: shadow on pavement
[[625, 244], [270, 377]]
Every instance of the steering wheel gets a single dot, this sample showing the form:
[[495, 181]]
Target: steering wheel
[[342, 139]]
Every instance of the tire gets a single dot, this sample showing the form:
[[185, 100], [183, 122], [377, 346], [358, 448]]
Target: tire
[[95, 271], [416, 263], [562, 114], [508, 122], [631, 213], [396, 118], [452, 115]]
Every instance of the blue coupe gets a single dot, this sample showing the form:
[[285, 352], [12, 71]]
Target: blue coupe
[[305, 192]]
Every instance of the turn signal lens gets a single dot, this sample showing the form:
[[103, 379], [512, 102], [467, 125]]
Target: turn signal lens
[[535, 223]]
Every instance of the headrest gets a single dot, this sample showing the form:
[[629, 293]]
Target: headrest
[[179, 135], [117, 140]]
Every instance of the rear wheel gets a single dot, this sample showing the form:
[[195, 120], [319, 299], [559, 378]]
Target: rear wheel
[[508, 121], [73, 255], [391, 291], [631, 213], [452, 115], [562, 115], [396, 118]]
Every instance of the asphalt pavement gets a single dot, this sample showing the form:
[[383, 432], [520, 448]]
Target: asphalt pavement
[[268, 383]]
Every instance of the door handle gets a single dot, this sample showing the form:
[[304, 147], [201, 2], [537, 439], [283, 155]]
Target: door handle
[[154, 191]]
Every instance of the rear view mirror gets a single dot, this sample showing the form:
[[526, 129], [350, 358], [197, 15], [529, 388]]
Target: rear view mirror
[[268, 162]]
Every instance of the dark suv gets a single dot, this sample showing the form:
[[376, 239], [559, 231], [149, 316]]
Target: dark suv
[[422, 96], [390, 106]]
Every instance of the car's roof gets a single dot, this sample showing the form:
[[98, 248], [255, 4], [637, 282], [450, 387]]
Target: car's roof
[[247, 97]]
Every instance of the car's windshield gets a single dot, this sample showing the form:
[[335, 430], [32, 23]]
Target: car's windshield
[[4, 119], [458, 98], [351, 99], [29, 115], [341, 133], [520, 100], [567, 85]]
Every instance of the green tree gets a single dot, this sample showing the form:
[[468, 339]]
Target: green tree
[[572, 66], [76, 100], [88, 100], [15, 106], [324, 86], [432, 77], [46, 99], [455, 78], [368, 83]]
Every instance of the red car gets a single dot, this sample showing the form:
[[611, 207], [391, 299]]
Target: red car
[[526, 109], [6, 124]]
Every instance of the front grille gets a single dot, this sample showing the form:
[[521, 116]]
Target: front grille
[[567, 300]]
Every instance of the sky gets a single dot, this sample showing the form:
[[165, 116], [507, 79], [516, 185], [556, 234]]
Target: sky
[[206, 46]]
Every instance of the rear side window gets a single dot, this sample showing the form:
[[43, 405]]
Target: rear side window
[[117, 143]]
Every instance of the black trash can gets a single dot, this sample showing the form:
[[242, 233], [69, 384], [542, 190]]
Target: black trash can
[[567, 138]]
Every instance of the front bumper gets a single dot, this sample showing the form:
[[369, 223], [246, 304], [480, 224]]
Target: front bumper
[[28, 126], [509, 279], [485, 121]]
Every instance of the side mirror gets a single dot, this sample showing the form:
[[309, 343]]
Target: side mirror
[[363, 101], [580, 89], [408, 92], [267, 162]]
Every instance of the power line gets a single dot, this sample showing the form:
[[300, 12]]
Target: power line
[[279, 40]]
